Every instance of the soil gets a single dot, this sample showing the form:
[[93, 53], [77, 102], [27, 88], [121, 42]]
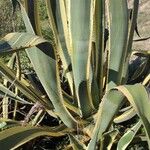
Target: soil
[[143, 24]]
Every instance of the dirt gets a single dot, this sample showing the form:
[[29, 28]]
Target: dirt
[[143, 24]]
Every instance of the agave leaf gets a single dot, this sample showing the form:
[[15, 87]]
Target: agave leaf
[[23, 86], [70, 103], [31, 93], [32, 11], [118, 27], [146, 80], [55, 16], [6, 92], [13, 42], [2, 125], [89, 129], [128, 136], [127, 53], [76, 144], [132, 25], [8, 123], [141, 39], [141, 52], [14, 137], [105, 115], [81, 16], [99, 29], [125, 116], [136, 26], [58, 23], [71, 107], [138, 97], [97, 52], [46, 67], [108, 140], [38, 118], [141, 71], [18, 75], [10, 64], [131, 17]]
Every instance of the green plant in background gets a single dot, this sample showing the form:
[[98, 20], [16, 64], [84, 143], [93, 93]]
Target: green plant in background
[[99, 95]]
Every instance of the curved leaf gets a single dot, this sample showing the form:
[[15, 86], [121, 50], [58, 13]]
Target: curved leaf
[[44, 62], [128, 137], [14, 137], [23, 86], [125, 116], [13, 42], [138, 97], [105, 115]]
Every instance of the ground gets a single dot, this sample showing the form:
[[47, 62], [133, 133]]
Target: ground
[[143, 24]]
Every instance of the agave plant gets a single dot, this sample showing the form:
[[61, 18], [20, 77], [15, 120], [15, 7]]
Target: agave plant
[[94, 64]]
